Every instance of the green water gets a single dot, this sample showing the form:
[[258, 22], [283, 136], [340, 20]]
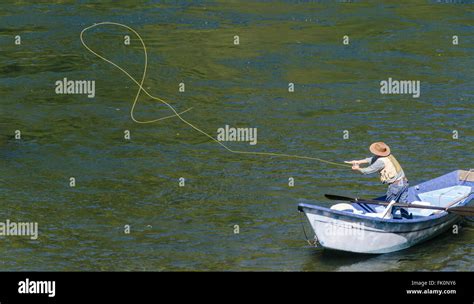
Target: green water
[[135, 182]]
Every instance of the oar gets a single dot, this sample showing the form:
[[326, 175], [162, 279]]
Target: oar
[[462, 210]]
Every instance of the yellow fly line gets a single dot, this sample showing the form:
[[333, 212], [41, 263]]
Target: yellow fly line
[[176, 114]]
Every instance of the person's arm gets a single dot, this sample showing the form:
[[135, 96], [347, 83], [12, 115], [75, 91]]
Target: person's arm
[[367, 160], [374, 167]]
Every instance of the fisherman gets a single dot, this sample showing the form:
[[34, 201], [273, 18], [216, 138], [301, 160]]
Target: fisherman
[[390, 171]]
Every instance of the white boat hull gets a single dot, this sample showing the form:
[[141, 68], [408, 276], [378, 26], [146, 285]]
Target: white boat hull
[[353, 236]]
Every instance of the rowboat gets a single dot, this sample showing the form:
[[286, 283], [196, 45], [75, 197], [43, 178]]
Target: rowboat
[[361, 228]]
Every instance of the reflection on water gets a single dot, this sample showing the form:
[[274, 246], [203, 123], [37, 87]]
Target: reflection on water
[[135, 182]]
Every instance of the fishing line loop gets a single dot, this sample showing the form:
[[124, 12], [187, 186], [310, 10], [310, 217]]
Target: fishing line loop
[[173, 110]]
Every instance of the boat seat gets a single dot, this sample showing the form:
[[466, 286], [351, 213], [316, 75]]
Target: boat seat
[[346, 207], [420, 212], [349, 208], [444, 196]]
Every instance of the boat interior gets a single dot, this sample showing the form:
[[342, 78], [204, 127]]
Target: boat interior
[[452, 189]]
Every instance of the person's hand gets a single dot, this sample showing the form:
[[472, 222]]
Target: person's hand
[[355, 167], [353, 162]]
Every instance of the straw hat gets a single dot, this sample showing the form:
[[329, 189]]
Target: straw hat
[[379, 149]]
